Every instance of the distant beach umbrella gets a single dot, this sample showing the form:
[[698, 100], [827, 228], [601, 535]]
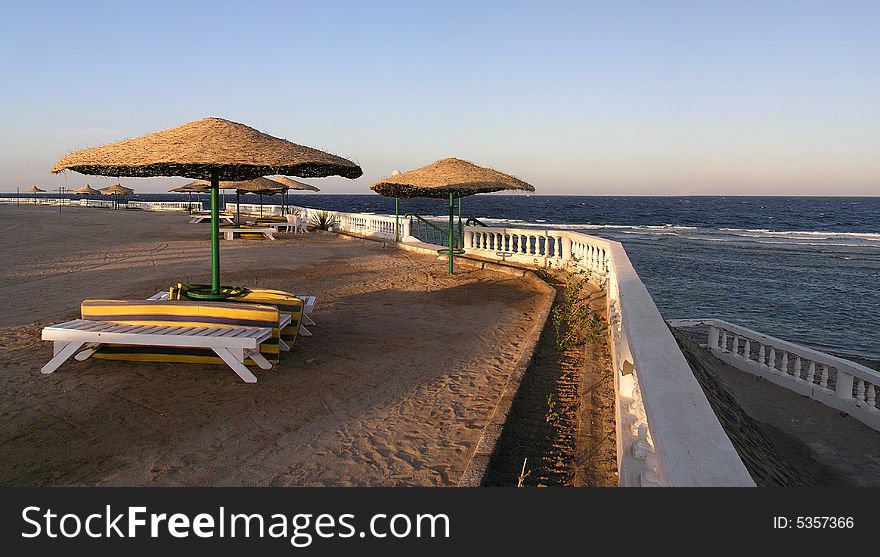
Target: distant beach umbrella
[[197, 187], [86, 190], [34, 190], [211, 149], [116, 190], [291, 185], [448, 178], [261, 186]]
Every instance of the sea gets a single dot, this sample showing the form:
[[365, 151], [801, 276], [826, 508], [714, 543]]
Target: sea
[[805, 269]]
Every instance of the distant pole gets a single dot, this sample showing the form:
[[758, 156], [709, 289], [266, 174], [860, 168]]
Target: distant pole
[[396, 220], [449, 235], [17, 195], [460, 239]]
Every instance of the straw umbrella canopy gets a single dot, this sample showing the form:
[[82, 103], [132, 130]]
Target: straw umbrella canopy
[[116, 190], [257, 185], [448, 178], [196, 186], [291, 185], [86, 190], [210, 149], [34, 190]]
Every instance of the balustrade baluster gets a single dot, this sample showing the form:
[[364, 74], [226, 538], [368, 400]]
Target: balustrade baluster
[[860, 390], [811, 372], [871, 396], [771, 359], [823, 376], [735, 346], [783, 365], [762, 355], [723, 340], [747, 348], [796, 371]]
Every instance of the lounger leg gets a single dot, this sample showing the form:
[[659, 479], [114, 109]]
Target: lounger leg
[[303, 331], [307, 320], [283, 345], [237, 365], [66, 351], [87, 353], [258, 359]]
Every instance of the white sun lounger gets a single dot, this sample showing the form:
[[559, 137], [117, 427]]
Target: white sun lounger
[[197, 219], [232, 344], [229, 233]]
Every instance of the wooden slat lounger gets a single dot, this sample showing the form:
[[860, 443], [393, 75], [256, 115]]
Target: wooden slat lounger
[[200, 218], [229, 233], [232, 344], [174, 317]]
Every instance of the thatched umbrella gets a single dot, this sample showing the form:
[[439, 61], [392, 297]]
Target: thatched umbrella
[[34, 190], [210, 149], [257, 185], [116, 190], [448, 178], [291, 185], [86, 190], [196, 186]]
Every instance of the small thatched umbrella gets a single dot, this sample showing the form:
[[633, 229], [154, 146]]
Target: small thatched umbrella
[[257, 185], [291, 185], [210, 149], [116, 190], [448, 178], [86, 190], [196, 186], [34, 190]]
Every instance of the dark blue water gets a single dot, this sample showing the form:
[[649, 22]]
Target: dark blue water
[[805, 269]]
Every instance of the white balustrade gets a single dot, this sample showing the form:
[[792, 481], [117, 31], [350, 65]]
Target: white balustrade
[[658, 444], [254, 209], [165, 205], [837, 382]]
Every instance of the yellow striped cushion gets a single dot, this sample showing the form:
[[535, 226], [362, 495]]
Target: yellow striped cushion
[[286, 303], [182, 313]]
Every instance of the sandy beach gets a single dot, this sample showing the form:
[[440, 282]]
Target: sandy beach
[[376, 397]]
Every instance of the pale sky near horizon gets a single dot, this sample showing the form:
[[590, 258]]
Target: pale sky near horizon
[[608, 98]]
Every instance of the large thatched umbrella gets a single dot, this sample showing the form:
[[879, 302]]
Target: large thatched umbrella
[[34, 190], [210, 149], [448, 178]]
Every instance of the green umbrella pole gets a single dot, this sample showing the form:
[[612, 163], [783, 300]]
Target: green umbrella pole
[[215, 234]]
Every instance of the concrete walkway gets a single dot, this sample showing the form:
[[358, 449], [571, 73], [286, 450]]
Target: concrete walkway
[[810, 435]]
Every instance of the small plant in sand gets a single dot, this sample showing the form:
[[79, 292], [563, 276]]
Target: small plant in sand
[[574, 320], [543, 271], [523, 474], [552, 415], [323, 220]]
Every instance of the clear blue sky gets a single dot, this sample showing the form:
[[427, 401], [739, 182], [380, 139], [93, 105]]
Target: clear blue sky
[[616, 97]]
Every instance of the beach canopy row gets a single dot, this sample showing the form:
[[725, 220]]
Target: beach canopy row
[[222, 151]]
